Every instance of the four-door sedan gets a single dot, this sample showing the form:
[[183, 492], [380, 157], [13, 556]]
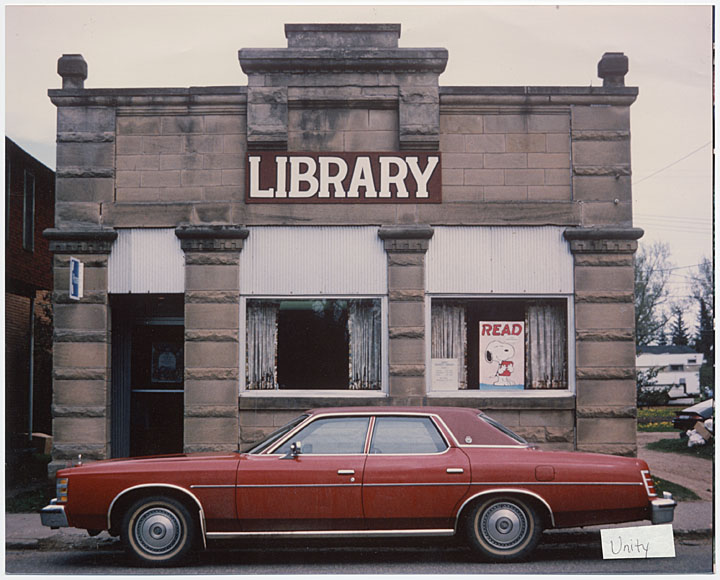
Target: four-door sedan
[[359, 472]]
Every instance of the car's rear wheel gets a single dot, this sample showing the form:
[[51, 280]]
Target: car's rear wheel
[[158, 531], [504, 529]]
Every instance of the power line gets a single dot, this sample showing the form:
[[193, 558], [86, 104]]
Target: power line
[[673, 163]]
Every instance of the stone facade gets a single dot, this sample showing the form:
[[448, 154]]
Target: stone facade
[[511, 156]]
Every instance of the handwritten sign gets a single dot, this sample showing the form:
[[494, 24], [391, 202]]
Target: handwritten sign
[[445, 374], [638, 542]]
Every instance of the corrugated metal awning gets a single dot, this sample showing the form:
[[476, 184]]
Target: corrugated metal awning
[[499, 260], [313, 260], [146, 261]]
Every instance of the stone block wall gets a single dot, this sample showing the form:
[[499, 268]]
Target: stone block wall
[[185, 158], [505, 157]]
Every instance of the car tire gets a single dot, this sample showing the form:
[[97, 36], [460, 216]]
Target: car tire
[[503, 529], [158, 531]]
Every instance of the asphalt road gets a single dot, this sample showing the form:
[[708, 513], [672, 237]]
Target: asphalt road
[[555, 556]]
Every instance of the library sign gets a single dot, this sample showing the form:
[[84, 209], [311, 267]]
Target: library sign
[[284, 177]]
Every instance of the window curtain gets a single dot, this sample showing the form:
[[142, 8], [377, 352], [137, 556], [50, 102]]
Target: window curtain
[[449, 335], [364, 343], [546, 366], [262, 321]]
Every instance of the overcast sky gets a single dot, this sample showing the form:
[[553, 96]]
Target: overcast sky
[[669, 47]]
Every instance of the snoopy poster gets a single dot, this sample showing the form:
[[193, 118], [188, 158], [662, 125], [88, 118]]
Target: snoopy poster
[[502, 355]]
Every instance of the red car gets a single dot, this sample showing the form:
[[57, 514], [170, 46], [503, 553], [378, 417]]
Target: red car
[[359, 472]]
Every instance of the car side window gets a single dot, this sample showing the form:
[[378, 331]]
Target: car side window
[[406, 435], [331, 436]]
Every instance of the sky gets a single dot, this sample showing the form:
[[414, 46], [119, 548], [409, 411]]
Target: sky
[[669, 48]]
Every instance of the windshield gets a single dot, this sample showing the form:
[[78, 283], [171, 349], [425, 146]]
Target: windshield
[[275, 435], [502, 428]]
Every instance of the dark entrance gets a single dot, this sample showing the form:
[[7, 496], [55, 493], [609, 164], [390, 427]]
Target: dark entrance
[[147, 374]]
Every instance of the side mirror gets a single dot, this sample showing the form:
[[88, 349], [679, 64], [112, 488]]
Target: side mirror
[[295, 450]]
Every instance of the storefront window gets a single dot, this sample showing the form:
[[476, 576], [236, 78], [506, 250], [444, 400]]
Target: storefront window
[[314, 344], [499, 344]]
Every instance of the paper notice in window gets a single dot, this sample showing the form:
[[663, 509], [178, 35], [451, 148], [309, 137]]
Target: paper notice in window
[[638, 542], [445, 374]]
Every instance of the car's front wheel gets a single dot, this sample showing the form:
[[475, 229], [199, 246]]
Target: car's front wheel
[[158, 531], [504, 529]]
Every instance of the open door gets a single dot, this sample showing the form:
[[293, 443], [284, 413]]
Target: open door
[[148, 375]]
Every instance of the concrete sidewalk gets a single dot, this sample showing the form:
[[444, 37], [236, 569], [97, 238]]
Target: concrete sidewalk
[[24, 531]]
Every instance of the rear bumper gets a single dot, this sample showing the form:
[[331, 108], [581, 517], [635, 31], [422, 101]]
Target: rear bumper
[[53, 516], [663, 510]]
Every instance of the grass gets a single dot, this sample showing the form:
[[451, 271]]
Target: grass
[[656, 418], [679, 492], [27, 486], [678, 445], [31, 500]]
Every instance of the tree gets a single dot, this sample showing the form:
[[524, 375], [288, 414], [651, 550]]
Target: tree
[[678, 329], [652, 270], [704, 293], [703, 285]]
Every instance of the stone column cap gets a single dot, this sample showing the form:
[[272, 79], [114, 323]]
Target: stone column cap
[[95, 234], [90, 240], [193, 232], [406, 232], [603, 233]]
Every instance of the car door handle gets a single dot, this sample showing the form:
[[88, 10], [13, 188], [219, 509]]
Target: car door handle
[[346, 472], [455, 470]]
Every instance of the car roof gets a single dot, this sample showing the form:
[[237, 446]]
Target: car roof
[[702, 406], [463, 422]]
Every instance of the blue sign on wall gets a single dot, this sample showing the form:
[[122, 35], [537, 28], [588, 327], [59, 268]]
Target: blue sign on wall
[[76, 279]]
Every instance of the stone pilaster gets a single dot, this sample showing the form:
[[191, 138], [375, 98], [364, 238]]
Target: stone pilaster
[[605, 338], [81, 351], [406, 247], [212, 359], [85, 173], [600, 146]]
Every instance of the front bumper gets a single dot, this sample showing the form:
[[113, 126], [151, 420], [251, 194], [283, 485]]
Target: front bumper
[[54, 516], [663, 510]]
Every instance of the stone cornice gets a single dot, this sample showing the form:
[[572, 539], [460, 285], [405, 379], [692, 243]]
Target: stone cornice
[[212, 238], [150, 97], [536, 96], [89, 241], [342, 60]]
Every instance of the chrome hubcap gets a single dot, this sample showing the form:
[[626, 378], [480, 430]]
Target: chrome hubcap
[[158, 531], [504, 525]]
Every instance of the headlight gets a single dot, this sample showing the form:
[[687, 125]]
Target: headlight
[[62, 489]]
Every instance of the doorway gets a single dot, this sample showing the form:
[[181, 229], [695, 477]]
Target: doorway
[[148, 367]]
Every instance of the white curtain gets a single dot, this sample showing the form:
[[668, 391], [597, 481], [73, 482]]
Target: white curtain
[[546, 346], [364, 338], [449, 335], [262, 320]]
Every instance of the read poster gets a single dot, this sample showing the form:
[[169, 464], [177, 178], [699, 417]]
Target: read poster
[[502, 355]]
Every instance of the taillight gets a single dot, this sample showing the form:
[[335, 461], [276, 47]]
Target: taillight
[[648, 481]]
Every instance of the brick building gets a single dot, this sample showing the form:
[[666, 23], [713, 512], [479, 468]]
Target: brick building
[[29, 209], [342, 231]]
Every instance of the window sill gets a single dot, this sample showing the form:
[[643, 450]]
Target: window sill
[[510, 394], [296, 393]]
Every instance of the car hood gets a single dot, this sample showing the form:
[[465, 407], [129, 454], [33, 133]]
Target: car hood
[[134, 462]]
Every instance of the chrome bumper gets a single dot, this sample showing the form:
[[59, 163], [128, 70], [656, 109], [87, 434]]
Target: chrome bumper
[[53, 516], [663, 510]]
